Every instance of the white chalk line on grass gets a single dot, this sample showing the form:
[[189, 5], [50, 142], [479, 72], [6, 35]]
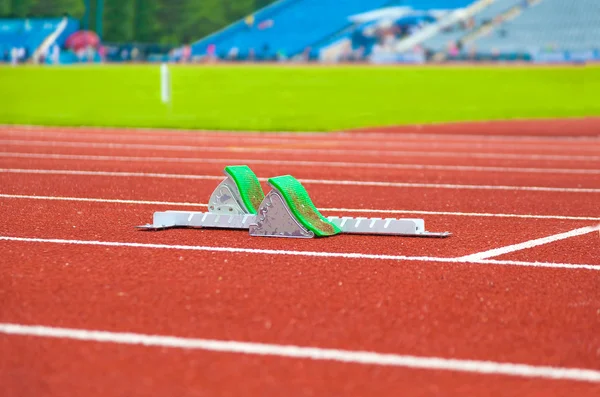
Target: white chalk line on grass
[[310, 353], [306, 181], [337, 210], [280, 150], [349, 140], [298, 163], [529, 244], [312, 254]]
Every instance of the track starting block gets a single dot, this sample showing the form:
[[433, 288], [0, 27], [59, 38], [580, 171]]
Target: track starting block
[[239, 202]]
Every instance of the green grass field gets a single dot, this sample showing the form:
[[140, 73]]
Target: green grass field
[[292, 97]]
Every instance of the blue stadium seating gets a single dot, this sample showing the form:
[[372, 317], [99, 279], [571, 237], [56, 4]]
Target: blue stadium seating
[[563, 28], [298, 24], [30, 33], [562, 25], [440, 41]]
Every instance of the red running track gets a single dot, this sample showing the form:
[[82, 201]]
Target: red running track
[[502, 313]]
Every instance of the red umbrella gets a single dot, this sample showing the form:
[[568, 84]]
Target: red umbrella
[[82, 39]]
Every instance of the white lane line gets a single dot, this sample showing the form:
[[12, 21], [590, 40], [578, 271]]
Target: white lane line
[[319, 254], [529, 244], [108, 173], [298, 163], [279, 150], [100, 200], [337, 210], [307, 181], [301, 352], [341, 140]]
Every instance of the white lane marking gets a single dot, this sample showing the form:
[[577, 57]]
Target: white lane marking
[[301, 352], [343, 140], [529, 244], [307, 181], [100, 200], [319, 254], [279, 150], [108, 173], [469, 214], [335, 164], [339, 210]]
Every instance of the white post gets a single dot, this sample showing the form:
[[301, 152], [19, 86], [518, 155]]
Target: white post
[[165, 84]]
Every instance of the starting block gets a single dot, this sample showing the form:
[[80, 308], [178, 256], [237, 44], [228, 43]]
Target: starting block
[[239, 202]]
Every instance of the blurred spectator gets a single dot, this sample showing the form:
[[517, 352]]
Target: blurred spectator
[[266, 24], [186, 54], [102, 53], [90, 53], [306, 54], [55, 54], [360, 54], [378, 48], [233, 53], [472, 52], [453, 49], [14, 56], [211, 52], [124, 54]]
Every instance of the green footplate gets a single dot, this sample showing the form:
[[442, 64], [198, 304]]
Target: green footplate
[[248, 185], [302, 207]]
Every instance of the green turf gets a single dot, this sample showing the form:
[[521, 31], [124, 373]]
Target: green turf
[[292, 97]]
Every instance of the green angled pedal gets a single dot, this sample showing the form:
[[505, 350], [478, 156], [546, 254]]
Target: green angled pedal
[[248, 185], [288, 211], [240, 193]]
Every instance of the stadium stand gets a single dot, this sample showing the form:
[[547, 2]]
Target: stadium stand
[[289, 27], [29, 34], [559, 30], [563, 25], [441, 41]]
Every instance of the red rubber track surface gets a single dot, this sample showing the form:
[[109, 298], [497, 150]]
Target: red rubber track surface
[[114, 222], [118, 370], [507, 177], [502, 313], [328, 196], [589, 126], [348, 304]]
